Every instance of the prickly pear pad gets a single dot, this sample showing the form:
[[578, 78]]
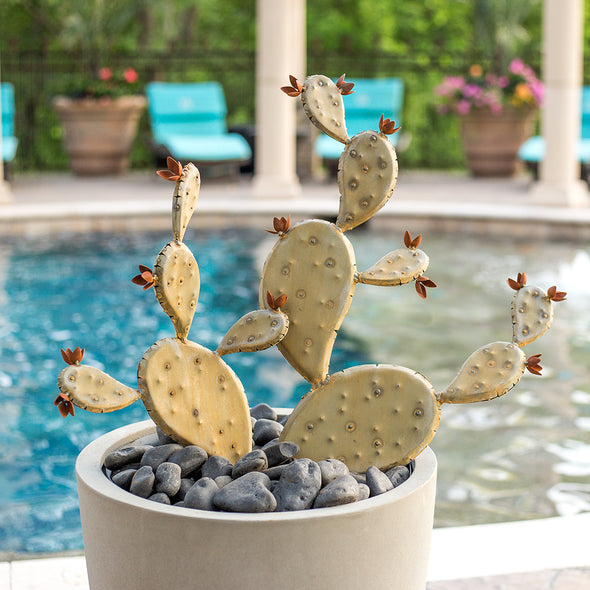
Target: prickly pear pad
[[91, 389], [194, 397], [396, 268], [256, 330], [381, 415], [489, 372], [532, 314], [184, 200], [322, 103], [177, 285], [367, 175], [313, 264]]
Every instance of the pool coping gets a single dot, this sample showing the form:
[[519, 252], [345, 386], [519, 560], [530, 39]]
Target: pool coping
[[450, 202], [509, 550]]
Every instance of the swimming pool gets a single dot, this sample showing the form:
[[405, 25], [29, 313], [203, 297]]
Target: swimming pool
[[526, 455]]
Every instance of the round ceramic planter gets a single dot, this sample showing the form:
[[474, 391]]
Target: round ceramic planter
[[132, 543], [99, 135], [491, 140]]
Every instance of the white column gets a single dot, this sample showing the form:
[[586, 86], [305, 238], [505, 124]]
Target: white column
[[280, 52], [562, 73], [5, 192]]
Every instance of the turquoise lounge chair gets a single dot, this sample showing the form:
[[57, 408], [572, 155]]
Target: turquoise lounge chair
[[9, 141], [371, 99], [532, 150], [188, 123]]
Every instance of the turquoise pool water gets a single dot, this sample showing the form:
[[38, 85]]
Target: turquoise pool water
[[526, 455]]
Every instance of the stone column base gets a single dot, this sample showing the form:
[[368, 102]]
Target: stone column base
[[571, 194], [5, 192], [275, 186]]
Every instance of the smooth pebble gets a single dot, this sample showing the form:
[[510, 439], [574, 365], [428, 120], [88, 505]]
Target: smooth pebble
[[298, 486], [249, 493], [265, 430], [189, 458], [143, 482], [398, 475], [201, 494], [263, 411], [160, 497], [278, 452], [158, 455], [252, 461], [332, 469], [168, 478], [215, 466], [123, 478], [343, 490], [124, 456], [377, 481]]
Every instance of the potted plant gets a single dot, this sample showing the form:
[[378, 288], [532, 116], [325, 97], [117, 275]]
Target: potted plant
[[354, 481], [497, 113], [99, 120]]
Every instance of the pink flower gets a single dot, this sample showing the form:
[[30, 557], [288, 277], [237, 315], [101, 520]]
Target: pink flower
[[503, 81], [471, 90], [463, 107], [517, 66], [130, 76], [105, 74]]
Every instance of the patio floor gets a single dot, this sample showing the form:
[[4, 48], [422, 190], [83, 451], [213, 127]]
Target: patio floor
[[549, 554]]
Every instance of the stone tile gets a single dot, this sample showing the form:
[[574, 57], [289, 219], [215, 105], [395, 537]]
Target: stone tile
[[568, 579], [530, 581], [5, 576], [574, 579], [61, 573]]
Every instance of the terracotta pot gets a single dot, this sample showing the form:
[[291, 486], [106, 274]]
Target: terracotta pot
[[98, 135], [491, 140], [132, 543]]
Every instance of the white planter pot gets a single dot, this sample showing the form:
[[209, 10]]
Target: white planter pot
[[132, 543]]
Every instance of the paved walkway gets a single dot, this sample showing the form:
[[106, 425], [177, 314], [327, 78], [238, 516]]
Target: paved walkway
[[550, 554]]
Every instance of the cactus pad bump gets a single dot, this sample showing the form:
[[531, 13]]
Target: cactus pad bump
[[322, 103], [532, 314], [193, 396], [313, 264], [491, 371], [367, 175], [381, 415], [177, 285], [396, 268], [91, 389], [256, 330], [186, 194]]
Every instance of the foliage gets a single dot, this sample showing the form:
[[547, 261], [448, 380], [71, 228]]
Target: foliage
[[518, 88], [107, 84], [49, 46], [501, 28]]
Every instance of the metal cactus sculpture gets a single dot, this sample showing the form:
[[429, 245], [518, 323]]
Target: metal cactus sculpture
[[381, 415], [188, 390]]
